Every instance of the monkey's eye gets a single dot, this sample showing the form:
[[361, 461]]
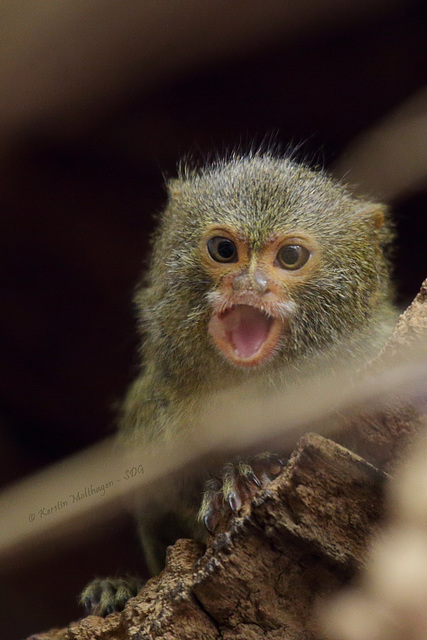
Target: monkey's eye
[[293, 256], [222, 249]]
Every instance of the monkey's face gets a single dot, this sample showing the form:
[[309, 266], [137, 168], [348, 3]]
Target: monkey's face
[[251, 300]]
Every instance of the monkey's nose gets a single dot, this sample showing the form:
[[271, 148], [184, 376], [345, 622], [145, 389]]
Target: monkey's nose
[[261, 282], [256, 281]]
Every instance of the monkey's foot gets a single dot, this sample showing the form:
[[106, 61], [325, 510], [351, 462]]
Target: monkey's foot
[[237, 484], [103, 596]]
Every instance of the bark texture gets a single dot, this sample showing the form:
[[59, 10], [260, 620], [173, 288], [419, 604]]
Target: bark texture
[[411, 326], [302, 537], [382, 436]]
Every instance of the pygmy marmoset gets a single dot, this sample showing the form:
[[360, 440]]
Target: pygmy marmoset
[[260, 266]]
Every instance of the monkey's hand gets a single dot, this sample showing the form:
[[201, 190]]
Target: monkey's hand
[[237, 484], [103, 596]]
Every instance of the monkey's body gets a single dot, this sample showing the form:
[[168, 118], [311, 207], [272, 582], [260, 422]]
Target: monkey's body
[[260, 267], [342, 302]]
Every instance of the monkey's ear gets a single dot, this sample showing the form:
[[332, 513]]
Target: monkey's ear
[[374, 213], [174, 187]]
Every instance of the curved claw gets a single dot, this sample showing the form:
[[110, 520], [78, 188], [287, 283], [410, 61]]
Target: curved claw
[[211, 520], [87, 604], [208, 524], [278, 467], [235, 502], [253, 478]]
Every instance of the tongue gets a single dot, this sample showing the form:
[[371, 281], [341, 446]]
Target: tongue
[[246, 329]]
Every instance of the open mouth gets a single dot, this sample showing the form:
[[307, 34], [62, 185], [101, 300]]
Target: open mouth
[[246, 335]]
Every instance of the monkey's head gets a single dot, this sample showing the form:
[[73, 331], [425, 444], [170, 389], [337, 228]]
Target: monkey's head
[[260, 259]]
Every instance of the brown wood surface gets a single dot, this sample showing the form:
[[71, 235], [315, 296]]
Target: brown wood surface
[[302, 537]]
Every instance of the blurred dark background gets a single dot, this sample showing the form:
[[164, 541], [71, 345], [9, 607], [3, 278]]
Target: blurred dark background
[[99, 102]]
